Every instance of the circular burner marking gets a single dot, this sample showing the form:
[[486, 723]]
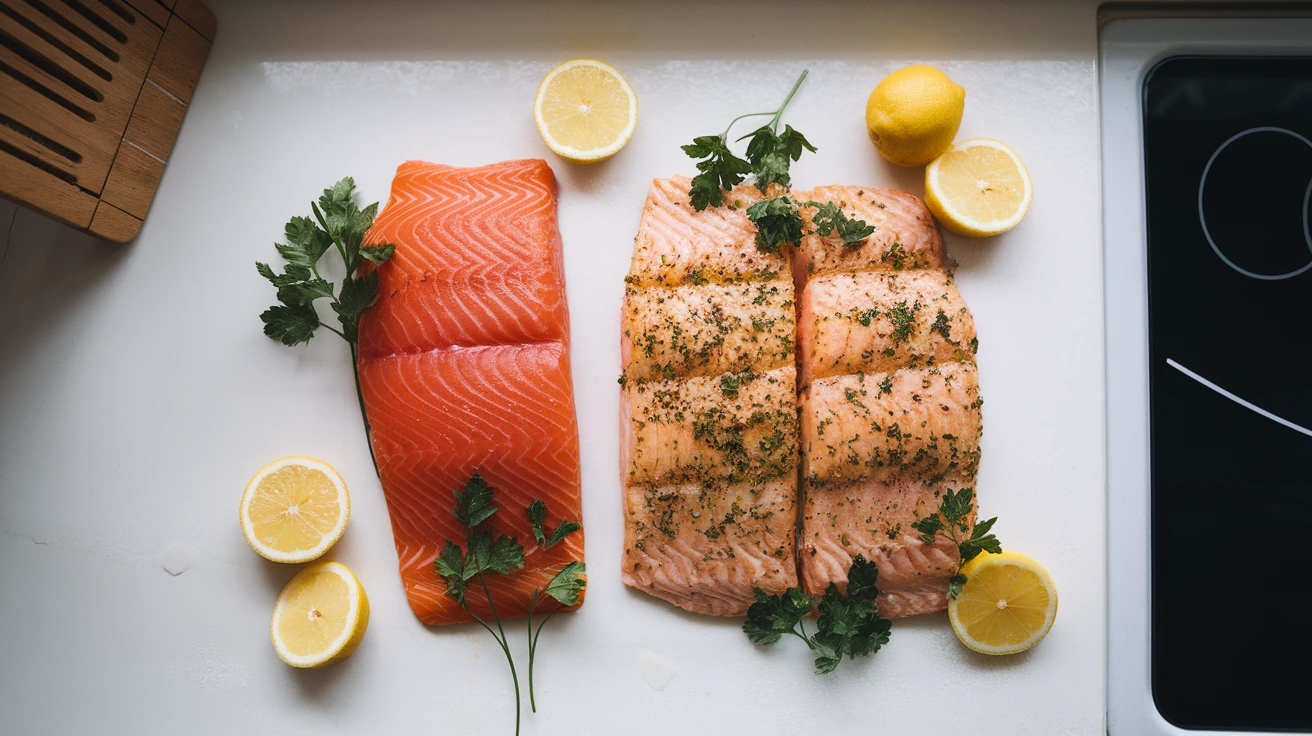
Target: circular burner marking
[[1307, 198]]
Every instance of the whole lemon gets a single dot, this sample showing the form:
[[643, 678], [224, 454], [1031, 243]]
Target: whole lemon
[[913, 115]]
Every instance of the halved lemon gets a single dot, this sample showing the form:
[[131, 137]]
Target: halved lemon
[[585, 110], [979, 187], [294, 509], [1007, 605], [320, 617]]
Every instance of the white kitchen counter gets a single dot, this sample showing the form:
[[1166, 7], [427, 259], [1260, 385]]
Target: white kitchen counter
[[137, 393]]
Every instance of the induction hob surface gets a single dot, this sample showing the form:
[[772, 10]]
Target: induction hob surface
[[1228, 167]]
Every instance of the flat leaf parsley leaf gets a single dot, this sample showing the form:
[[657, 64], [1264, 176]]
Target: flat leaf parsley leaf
[[537, 516], [769, 156], [485, 554], [950, 522], [830, 218], [849, 625], [337, 223], [720, 170], [778, 222]]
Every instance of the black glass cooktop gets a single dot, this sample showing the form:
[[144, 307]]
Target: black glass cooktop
[[1228, 159]]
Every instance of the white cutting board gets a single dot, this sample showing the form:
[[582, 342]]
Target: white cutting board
[[137, 394]]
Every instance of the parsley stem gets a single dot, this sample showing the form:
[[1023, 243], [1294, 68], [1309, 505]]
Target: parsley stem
[[505, 647], [359, 395], [725, 135], [802, 625], [533, 601], [533, 645], [774, 124]]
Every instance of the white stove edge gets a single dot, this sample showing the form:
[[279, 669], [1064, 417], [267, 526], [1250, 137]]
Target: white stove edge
[[1128, 50]]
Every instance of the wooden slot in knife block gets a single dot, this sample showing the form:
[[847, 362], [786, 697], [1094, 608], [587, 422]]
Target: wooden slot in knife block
[[92, 93]]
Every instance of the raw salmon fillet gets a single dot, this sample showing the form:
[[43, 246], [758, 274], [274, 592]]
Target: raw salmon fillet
[[464, 368], [708, 408], [890, 404]]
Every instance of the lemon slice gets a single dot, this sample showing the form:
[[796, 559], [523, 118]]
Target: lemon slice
[[585, 110], [294, 509], [979, 187], [1007, 605], [320, 616]]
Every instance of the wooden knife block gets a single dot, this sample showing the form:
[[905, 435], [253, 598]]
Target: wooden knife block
[[92, 93]]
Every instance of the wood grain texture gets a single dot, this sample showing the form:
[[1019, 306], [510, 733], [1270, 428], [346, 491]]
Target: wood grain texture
[[197, 16], [152, 9], [92, 95], [131, 184], [113, 224], [181, 55], [46, 193]]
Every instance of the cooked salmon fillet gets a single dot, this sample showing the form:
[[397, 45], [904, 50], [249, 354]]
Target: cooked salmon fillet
[[736, 426], [708, 407], [464, 369], [676, 245], [920, 424], [873, 519], [879, 321], [706, 330], [879, 451], [890, 409], [905, 236], [705, 546]]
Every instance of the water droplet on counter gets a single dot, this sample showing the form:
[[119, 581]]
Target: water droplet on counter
[[656, 670], [175, 560]]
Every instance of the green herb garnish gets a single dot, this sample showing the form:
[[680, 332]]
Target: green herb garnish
[[338, 223], [769, 156], [771, 153], [848, 625], [778, 222], [729, 385], [485, 554], [950, 521], [830, 218], [904, 320], [537, 515], [942, 325]]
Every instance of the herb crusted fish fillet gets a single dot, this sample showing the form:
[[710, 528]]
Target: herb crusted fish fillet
[[708, 407], [890, 403], [464, 369], [713, 442]]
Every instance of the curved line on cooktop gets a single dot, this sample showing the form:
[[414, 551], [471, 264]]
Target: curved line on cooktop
[[1202, 215], [1278, 420]]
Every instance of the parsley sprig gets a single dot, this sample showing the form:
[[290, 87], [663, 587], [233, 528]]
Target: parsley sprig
[[950, 521], [485, 554], [769, 156], [779, 222], [848, 624], [337, 224], [830, 218]]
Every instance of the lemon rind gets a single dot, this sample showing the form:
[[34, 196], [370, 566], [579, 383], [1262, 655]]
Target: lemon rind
[[579, 155], [328, 540]]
